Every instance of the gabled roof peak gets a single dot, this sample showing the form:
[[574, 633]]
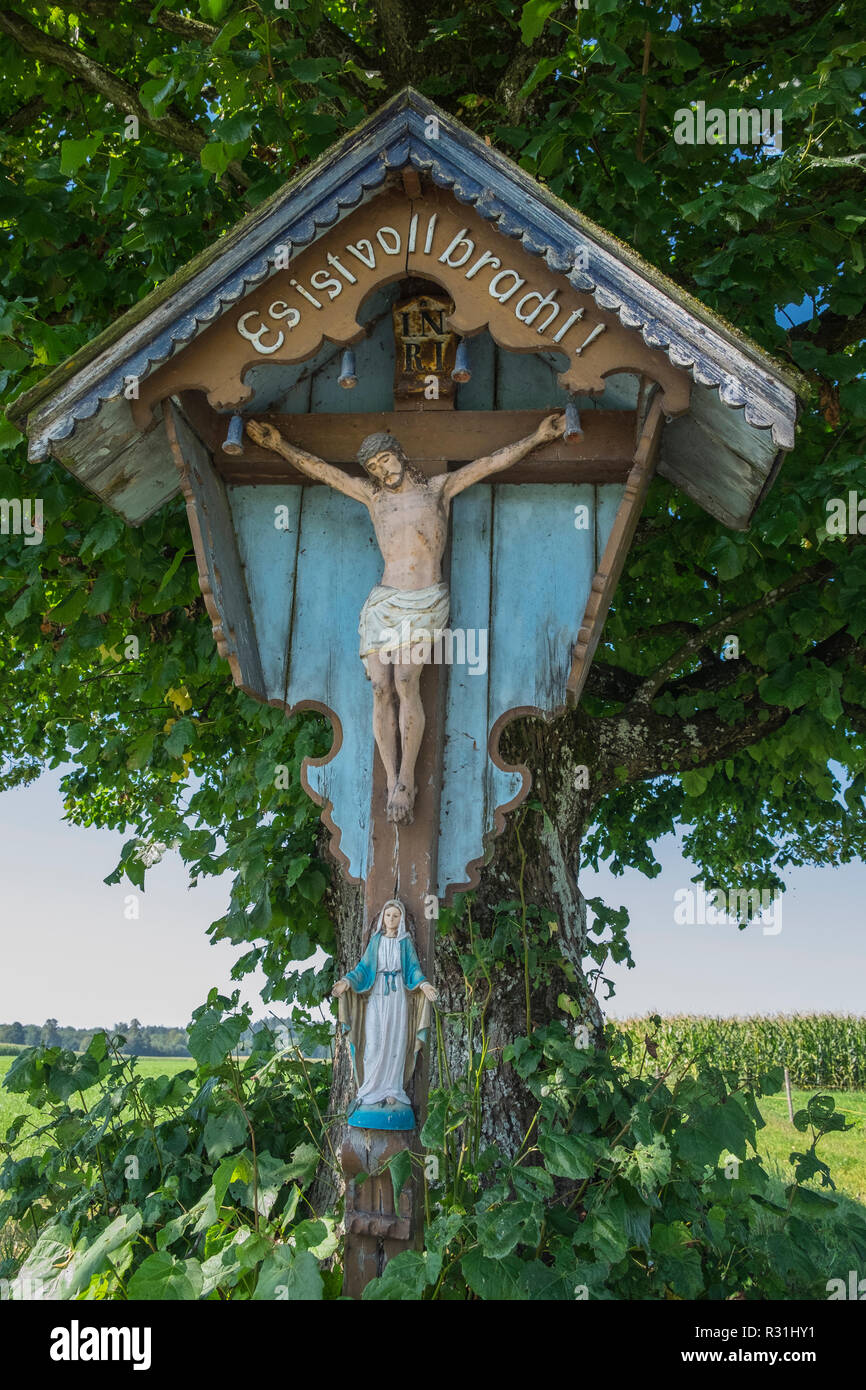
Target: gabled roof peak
[[758, 395]]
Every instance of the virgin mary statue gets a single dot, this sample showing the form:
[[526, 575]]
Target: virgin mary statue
[[384, 1006]]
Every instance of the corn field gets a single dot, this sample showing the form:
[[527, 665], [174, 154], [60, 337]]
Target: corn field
[[818, 1049]]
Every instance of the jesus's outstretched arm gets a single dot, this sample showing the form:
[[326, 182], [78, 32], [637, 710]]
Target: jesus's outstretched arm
[[482, 468], [270, 438]]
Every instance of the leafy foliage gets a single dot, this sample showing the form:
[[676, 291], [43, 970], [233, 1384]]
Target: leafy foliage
[[631, 1185], [107, 663], [168, 1187], [231, 103]]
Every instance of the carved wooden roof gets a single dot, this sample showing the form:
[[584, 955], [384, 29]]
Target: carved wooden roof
[[724, 452]]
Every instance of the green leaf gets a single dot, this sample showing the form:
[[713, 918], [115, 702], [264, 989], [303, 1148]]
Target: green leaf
[[319, 1236], [304, 1164], [407, 1276], [400, 1167], [312, 884], [224, 1132], [216, 157], [728, 557], [540, 72], [313, 69], [211, 1037], [755, 200], [495, 1281], [104, 594], [534, 16], [24, 605], [156, 95], [70, 610], [141, 751], [94, 1257], [504, 1226], [224, 1269], [820, 1109], [74, 153], [214, 10], [164, 1278], [648, 1166], [173, 568], [180, 736], [290, 1276], [570, 1155], [102, 536], [266, 1180], [234, 130], [679, 1260], [807, 1200]]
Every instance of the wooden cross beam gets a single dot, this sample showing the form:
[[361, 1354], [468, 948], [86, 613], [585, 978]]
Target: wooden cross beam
[[603, 454]]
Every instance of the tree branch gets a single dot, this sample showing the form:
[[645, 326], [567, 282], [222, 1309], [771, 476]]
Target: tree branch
[[183, 134], [398, 23], [522, 63], [649, 688], [651, 744], [170, 20], [835, 331]]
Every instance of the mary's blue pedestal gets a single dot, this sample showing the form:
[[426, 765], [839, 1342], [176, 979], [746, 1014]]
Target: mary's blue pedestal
[[382, 1116]]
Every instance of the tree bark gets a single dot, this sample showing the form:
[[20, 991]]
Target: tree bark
[[534, 869]]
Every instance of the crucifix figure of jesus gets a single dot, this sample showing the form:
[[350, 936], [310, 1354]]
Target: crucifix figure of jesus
[[404, 613]]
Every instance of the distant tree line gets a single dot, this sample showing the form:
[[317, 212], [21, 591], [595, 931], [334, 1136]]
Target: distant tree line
[[142, 1040]]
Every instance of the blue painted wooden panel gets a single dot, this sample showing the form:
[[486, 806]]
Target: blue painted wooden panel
[[525, 382], [471, 783], [269, 557], [542, 568], [522, 542], [285, 389], [306, 586], [338, 564], [299, 387], [374, 360]]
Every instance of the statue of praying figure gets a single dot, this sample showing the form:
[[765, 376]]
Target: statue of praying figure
[[404, 613], [384, 1005]]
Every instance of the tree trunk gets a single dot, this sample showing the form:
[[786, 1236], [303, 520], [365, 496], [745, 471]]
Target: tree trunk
[[532, 949]]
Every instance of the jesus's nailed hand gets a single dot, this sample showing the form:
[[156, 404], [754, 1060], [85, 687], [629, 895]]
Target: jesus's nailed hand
[[551, 428], [265, 435]]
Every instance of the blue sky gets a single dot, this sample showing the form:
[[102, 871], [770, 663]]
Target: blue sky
[[68, 951]]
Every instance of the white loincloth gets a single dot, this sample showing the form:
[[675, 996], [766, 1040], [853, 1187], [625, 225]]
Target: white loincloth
[[397, 618]]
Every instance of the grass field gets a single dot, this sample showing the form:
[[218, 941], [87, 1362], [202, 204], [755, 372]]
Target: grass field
[[12, 1105], [845, 1153]]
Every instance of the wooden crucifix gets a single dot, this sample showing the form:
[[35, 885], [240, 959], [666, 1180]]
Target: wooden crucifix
[[411, 249], [407, 612], [474, 526]]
